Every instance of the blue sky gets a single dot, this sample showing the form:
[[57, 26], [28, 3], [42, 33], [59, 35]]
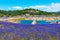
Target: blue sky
[[45, 5]]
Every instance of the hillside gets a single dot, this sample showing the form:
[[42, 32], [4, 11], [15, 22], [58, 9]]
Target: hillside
[[58, 12], [24, 12]]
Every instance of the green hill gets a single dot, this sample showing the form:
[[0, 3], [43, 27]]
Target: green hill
[[25, 11]]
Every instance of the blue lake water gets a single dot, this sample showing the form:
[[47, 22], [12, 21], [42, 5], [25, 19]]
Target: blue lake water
[[55, 21], [26, 21], [37, 21], [42, 22]]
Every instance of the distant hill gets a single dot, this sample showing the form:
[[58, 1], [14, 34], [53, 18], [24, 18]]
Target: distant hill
[[26, 11], [58, 12]]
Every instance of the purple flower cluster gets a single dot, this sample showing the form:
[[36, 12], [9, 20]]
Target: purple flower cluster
[[15, 31]]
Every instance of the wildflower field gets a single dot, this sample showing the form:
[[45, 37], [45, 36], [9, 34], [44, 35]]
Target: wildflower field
[[15, 31]]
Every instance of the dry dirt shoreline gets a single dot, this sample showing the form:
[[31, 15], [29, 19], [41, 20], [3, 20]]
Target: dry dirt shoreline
[[16, 19]]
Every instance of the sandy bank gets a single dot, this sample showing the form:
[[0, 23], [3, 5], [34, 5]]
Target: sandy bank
[[16, 19]]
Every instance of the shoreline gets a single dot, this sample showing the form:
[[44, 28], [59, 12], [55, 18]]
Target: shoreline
[[16, 19]]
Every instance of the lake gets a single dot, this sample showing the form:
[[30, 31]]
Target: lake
[[37, 21]]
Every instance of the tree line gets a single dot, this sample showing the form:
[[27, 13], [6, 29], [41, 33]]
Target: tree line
[[25, 11]]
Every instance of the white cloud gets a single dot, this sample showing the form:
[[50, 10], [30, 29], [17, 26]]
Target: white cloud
[[15, 8], [53, 7]]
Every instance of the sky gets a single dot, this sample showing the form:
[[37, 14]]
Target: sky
[[44, 5]]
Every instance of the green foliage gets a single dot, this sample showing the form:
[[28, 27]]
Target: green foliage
[[1, 39], [25, 11], [23, 39], [1, 14], [39, 39]]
